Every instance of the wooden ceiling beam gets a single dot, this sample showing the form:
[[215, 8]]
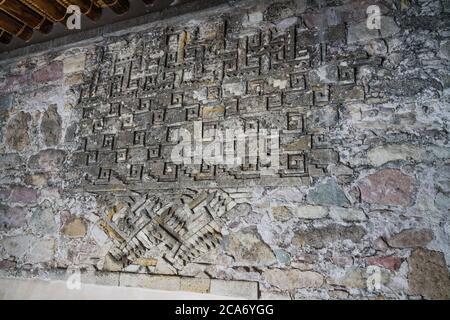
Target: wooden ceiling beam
[[118, 6], [20, 17], [87, 7], [26, 15], [5, 37], [15, 27], [51, 9]]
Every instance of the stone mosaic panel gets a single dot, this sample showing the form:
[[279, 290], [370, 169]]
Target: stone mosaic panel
[[182, 228], [217, 77], [264, 82]]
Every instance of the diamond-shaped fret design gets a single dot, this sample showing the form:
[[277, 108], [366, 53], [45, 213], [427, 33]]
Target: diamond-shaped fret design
[[182, 230]]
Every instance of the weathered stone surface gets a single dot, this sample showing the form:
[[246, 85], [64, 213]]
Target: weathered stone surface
[[347, 214], [111, 264], [324, 156], [164, 267], [342, 260], [341, 170], [13, 82], [342, 111], [338, 295], [5, 106], [10, 161], [12, 217], [132, 268], [445, 50], [200, 227], [328, 193], [283, 257], [348, 93], [392, 152], [47, 160], [277, 11], [388, 187], [17, 136], [321, 237], [16, 246], [351, 278], [100, 278], [74, 64], [271, 295], [320, 118], [384, 154], [428, 274], [37, 180], [311, 212], [31, 249], [73, 79], [98, 234], [376, 47], [268, 84], [75, 228], [281, 213], [380, 244], [411, 238], [237, 289], [146, 262], [51, 72], [360, 33], [71, 132], [51, 126], [411, 87], [302, 143], [442, 179], [446, 6], [293, 279], [247, 247], [24, 195], [442, 201], [169, 283], [41, 250], [43, 219], [392, 263], [4, 194], [388, 27], [199, 285], [7, 265], [324, 74]]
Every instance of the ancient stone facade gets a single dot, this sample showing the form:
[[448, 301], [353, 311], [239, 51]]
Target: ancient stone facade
[[347, 196]]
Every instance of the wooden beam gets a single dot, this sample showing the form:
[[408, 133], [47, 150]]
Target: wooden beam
[[15, 27], [87, 7], [118, 6], [26, 15], [5, 37], [51, 9]]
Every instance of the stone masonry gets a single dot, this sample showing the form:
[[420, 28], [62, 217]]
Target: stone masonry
[[357, 208]]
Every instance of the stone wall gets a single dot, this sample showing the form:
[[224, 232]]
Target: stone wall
[[358, 208]]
